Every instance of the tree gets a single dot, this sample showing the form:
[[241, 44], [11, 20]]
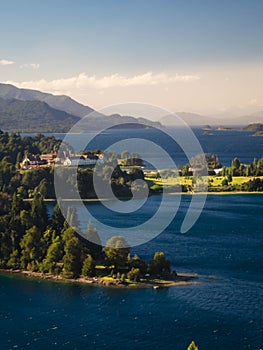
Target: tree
[[57, 219], [7, 171], [137, 263], [224, 182], [42, 188], [31, 252], [72, 217], [5, 246], [229, 178], [14, 260], [25, 219], [160, 265], [88, 268], [192, 346], [16, 228], [54, 255], [39, 212], [236, 168], [134, 274], [93, 241], [71, 258], [236, 163], [117, 251]]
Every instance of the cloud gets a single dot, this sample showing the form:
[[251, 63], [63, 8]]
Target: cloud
[[85, 81], [35, 65], [6, 62], [30, 65]]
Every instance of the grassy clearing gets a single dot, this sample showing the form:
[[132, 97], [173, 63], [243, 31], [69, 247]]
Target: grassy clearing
[[214, 181]]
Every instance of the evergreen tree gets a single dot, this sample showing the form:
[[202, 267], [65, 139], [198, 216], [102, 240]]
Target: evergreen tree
[[57, 220], [25, 219], [15, 225], [54, 256], [39, 212], [72, 256], [14, 260], [117, 251], [88, 268], [94, 244], [31, 249], [72, 217], [5, 247]]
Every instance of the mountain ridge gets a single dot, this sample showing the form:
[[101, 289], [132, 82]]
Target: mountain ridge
[[26, 110], [61, 102], [33, 116]]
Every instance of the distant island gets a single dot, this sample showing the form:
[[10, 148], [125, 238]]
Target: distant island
[[206, 127], [255, 127], [258, 133], [222, 128]]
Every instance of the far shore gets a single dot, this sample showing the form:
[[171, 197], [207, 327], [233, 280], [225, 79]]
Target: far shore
[[182, 279], [171, 193]]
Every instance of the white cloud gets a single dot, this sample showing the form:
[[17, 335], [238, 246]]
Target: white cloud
[[85, 81], [30, 65], [6, 62], [35, 65]]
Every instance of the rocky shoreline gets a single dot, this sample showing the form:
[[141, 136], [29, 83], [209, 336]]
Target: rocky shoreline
[[180, 280]]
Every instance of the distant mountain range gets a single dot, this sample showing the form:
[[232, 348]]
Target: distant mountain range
[[26, 110], [194, 119]]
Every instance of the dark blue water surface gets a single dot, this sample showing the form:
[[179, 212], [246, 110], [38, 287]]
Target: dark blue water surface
[[224, 311], [227, 144]]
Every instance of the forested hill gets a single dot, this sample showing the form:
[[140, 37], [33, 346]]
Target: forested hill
[[33, 116], [254, 127], [25, 110], [61, 102]]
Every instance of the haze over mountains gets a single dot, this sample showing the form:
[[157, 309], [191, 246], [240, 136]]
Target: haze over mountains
[[29, 110], [194, 119]]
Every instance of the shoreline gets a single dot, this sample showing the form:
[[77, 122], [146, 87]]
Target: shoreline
[[182, 279], [155, 194]]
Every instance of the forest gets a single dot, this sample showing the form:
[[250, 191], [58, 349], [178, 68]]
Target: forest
[[31, 240]]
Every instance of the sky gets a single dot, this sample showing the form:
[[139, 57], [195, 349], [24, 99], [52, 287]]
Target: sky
[[203, 56]]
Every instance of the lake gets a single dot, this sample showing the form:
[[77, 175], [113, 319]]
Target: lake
[[224, 311], [227, 144]]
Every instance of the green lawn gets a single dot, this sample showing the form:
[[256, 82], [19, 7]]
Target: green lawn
[[214, 181]]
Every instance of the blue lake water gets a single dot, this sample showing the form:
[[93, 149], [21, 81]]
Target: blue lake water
[[227, 144], [223, 312]]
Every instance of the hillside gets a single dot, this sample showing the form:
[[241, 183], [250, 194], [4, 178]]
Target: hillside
[[33, 116], [28, 110], [61, 102], [37, 116], [255, 127]]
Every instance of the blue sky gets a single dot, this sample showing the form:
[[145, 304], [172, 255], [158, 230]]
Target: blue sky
[[62, 39]]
